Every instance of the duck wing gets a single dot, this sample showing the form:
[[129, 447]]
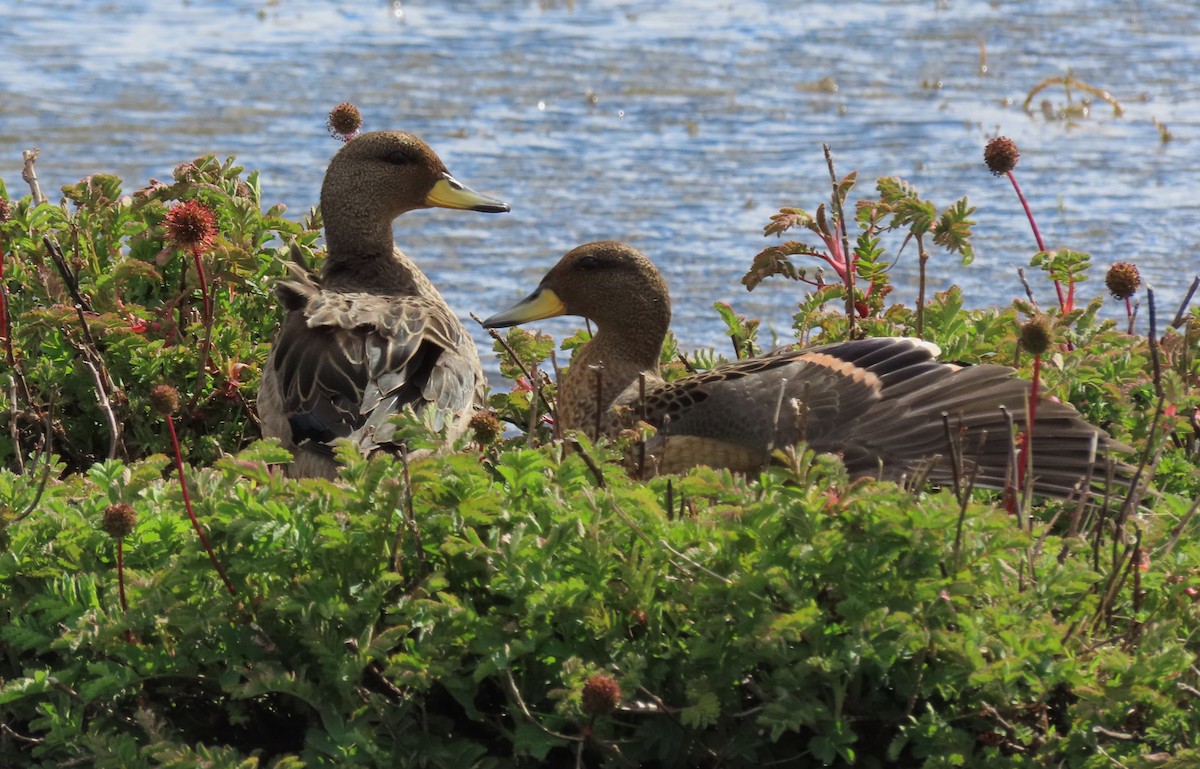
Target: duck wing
[[879, 403], [345, 362]]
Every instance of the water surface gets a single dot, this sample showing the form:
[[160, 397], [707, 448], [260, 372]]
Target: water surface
[[677, 126]]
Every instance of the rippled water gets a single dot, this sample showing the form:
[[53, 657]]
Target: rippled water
[[677, 126]]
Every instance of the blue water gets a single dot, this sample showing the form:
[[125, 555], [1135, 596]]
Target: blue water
[[677, 126]]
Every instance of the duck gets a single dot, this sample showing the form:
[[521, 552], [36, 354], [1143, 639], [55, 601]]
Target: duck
[[369, 335], [882, 404]]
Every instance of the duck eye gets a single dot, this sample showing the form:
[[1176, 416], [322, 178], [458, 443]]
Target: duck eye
[[403, 156], [588, 262]]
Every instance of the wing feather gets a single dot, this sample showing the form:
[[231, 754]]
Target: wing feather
[[346, 362]]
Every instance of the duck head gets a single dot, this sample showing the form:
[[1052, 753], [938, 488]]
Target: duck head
[[609, 283], [381, 175]]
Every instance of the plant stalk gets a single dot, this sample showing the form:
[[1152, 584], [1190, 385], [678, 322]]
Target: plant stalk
[[187, 503]]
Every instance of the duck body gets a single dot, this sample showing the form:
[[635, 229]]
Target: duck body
[[879, 403], [369, 335]]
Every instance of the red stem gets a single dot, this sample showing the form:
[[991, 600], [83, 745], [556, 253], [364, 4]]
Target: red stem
[[1062, 303], [208, 321], [121, 572], [187, 503], [1026, 460]]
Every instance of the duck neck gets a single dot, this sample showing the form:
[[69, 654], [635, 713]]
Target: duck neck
[[601, 371], [351, 233], [363, 257]]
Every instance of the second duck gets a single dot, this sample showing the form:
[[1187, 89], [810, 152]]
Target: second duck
[[879, 403]]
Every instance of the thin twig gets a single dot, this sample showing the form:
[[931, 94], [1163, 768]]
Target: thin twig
[[783, 383], [1085, 494], [955, 463], [1177, 532], [557, 431], [70, 279], [44, 453], [410, 517], [641, 437], [520, 701], [105, 406], [665, 545], [923, 260], [1028, 290], [597, 473], [6, 729], [513, 355], [1181, 315], [1116, 580], [14, 427], [90, 350], [206, 342], [531, 428], [599, 369], [30, 175], [1133, 498]]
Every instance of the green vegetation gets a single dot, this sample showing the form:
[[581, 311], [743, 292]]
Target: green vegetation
[[521, 602]]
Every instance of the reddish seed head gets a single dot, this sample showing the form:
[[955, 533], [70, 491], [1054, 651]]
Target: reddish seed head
[[1123, 280], [1001, 155], [5, 210], [119, 520], [164, 399], [1036, 335], [191, 225], [344, 121], [601, 695]]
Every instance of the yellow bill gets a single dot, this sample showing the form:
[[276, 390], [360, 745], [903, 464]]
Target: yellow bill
[[448, 192], [542, 303]]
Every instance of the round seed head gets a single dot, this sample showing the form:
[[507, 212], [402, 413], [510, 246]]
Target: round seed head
[[191, 225], [164, 399], [1001, 155], [486, 427], [601, 695], [344, 121], [1036, 335], [1123, 280], [119, 520]]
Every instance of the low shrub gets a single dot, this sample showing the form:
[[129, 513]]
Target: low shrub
[[521, 601]]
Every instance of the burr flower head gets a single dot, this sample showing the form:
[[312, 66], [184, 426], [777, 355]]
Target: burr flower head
[[191, 225], [164, 399], [1001, 155], [1036, 335], [344, 121], [486, 427], [119, 520], [601, 695], [1123, 280]]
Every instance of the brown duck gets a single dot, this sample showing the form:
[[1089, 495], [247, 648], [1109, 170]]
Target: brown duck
[[876, 402], [370, 335]]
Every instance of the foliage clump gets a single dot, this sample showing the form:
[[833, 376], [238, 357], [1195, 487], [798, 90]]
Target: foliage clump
[[109, 291], [522, 601]]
